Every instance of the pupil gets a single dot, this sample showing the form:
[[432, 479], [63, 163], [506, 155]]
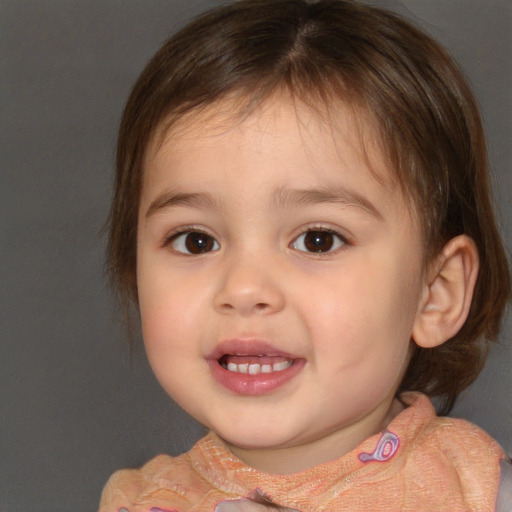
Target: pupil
[[198, 243], [319, 241]]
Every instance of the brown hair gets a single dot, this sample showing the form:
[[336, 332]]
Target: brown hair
[[330, 51]]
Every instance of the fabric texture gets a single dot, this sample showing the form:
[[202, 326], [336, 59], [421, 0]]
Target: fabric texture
[[420, 463]]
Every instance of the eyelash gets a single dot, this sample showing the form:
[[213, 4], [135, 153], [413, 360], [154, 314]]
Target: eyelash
[[338, 240]]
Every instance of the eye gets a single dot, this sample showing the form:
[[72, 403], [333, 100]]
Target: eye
[[317, 241], [193, 242]]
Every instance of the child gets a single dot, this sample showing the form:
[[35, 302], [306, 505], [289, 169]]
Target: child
[[302, 216]]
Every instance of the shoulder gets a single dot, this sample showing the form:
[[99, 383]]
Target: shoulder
[[465, 444], [126, 486], [187, 482], [163, 481], [459, 439], [459, 456]]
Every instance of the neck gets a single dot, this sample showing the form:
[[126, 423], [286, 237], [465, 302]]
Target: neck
[[299, 457]]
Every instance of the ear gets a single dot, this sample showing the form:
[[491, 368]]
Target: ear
[[447, 294]]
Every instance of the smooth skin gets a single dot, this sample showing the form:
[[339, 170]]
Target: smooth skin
[[287, 228]]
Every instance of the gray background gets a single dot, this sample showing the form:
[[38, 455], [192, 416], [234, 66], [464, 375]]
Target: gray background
[[73, 405]]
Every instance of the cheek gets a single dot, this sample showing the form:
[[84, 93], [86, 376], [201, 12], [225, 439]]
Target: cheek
[[172, 305], [366, 315], [162, 311], [166, 319], [167, 334]]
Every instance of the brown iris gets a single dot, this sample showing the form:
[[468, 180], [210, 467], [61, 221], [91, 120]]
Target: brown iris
[[198, 243], [318, 241]]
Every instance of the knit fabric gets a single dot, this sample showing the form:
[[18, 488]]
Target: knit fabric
[[420, 463]]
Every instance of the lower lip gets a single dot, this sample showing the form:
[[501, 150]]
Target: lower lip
[[252, 385]]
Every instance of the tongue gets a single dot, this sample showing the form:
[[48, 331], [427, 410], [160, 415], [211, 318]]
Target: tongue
[[254, 359]]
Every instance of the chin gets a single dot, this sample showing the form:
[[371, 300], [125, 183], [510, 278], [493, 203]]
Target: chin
[[260, 438]]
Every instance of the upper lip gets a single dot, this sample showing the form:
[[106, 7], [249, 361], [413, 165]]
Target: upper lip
[[248, 347]]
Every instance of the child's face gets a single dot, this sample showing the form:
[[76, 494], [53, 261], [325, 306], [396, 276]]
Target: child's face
[[266, 247]]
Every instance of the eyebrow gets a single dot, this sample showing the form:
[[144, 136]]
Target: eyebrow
[[335, 195], [283, 198], [172, 199]]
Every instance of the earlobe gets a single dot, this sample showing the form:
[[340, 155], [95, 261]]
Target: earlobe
[[448, 292]]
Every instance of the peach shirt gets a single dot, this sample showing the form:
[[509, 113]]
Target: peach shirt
[[420, 463]]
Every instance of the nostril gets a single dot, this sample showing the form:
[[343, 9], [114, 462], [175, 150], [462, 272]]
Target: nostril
[[261, 305]]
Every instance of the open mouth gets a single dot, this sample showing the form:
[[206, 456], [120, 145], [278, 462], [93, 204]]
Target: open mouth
[[254, 365], [251, 367]]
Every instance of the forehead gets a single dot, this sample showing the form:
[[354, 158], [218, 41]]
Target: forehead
[[340, 124], [309, 141]]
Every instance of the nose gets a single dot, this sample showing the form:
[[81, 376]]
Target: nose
[[249, 286]]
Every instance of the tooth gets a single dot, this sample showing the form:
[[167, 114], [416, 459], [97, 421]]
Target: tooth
[[254, 369], [278, 367]]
